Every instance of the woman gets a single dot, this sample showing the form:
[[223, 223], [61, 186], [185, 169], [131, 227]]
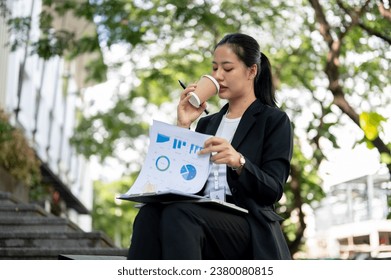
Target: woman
[[251, 153]]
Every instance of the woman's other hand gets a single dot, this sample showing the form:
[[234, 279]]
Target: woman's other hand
[[222, 151]]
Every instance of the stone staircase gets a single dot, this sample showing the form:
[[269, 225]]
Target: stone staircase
[[27, 231]]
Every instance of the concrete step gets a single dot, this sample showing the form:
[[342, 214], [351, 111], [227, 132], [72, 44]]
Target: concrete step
[[20, 209], [7, 198], [91, 257], [55, 253], [36, 224], [95, 239], [28, 232]]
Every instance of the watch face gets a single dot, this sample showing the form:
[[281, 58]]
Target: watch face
[[242, 160]]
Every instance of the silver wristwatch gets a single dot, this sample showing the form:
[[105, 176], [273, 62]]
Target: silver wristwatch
[[242, 162]]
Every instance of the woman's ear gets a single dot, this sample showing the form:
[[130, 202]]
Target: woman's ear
[[253, 72]]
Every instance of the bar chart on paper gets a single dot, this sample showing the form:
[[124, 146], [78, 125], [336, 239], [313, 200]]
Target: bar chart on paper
[[172, 161], [178, 144]]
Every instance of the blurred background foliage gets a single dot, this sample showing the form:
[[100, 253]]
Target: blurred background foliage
[[331, 62], [112, 215], [16, 154]]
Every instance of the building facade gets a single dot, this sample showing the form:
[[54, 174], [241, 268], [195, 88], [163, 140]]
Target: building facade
[[43, 98], [352, 221]]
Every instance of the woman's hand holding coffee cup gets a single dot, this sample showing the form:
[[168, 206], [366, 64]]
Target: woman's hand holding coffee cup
[[193, 100], [187, 113]]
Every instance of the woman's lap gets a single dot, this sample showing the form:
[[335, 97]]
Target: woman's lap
[[189, 231]]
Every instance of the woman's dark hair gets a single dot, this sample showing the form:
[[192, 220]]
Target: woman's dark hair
[[247, 49]]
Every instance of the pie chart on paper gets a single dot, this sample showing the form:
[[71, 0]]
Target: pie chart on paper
[[188, 172]]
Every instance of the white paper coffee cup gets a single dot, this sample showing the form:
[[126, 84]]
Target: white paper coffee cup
[[207, 87]]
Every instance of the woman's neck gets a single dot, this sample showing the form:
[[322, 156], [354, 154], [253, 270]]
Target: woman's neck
[[237, 108]]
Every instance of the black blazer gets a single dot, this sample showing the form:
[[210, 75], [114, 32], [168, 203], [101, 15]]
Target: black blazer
[[264, 138]]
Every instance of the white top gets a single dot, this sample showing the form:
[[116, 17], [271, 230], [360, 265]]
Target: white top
[[218, 175]]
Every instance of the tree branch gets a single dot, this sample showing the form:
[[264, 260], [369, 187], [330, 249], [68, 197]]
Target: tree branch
[[373, 32], [356, 15], [321, 19]]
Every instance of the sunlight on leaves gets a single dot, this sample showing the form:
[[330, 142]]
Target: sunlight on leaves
[[370, 122]]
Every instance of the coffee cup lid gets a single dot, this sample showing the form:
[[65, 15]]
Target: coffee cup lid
[[214, 81]]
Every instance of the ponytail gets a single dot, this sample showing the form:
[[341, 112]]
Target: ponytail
[[263, 83]]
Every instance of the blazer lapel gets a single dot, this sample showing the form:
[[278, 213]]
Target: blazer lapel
[[247, 121]]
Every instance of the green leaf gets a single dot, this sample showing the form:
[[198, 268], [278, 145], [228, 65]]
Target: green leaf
[[385, 158], [370, 122]]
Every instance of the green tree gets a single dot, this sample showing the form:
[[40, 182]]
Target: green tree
[[361, 32]]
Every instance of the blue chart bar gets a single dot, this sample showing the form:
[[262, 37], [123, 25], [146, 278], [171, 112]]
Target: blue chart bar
[[161, 138], [181, 143], [194, 149], [178, 144]]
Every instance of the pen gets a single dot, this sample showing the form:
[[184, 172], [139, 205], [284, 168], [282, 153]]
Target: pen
[[184, 86]]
